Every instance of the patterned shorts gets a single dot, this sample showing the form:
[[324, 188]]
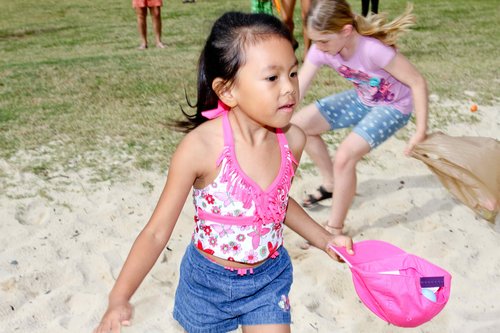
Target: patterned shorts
[[375, 124]]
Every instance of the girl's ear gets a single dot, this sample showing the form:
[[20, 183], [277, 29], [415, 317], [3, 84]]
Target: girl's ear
[[347, 30], [224, 92]]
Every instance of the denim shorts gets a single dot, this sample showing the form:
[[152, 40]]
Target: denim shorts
[[375, 124], [213, 299]]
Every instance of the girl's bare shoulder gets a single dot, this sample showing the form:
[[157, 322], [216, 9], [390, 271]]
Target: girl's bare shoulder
[[296, 139], [203, 144]]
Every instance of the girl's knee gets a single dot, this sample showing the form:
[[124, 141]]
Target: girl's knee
[[346, 158], [341, 161]]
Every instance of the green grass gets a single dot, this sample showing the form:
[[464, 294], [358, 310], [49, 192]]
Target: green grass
[[76, 93]]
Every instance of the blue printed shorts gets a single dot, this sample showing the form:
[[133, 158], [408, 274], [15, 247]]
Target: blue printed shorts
[[375, 124], [212, 299]]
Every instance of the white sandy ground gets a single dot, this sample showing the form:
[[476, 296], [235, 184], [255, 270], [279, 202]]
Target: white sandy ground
[[63, 241]]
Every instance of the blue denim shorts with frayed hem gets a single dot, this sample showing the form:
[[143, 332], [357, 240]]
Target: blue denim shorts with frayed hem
[[375, 124], [213, 299]]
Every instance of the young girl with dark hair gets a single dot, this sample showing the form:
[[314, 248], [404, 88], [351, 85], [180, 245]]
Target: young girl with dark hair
[[238, 157]]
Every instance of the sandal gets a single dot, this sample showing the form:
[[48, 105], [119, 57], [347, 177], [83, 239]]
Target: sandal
[[312, 200]]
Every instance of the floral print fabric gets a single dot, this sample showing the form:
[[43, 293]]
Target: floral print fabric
[[235, 219]]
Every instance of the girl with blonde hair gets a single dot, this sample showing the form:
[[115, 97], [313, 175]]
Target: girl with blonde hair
[[387, 90]]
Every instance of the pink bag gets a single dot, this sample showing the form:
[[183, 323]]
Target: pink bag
[[401, 288]]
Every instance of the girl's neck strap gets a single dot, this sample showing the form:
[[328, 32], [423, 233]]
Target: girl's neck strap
[[218, 111]]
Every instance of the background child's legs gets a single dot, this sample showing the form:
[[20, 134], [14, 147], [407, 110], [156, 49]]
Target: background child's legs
[[374, 6], [305, 5], [266, 329], [156, 18], [350, 151], [313, 123], [287, 8], [365, 5], [379, 124], [141, 13], [333, 112]]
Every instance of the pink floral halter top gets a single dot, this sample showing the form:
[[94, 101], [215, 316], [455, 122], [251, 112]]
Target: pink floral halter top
[[235, 219]]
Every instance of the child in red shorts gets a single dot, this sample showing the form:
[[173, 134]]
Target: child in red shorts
[[141, 9]]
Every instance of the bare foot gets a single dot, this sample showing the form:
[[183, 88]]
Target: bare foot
[[143, 46], [160, 45]]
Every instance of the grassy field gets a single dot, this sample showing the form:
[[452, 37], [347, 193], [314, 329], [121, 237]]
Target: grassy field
[[75, 92]]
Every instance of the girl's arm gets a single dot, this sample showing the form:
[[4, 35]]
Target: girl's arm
[[404, 71], [306, 74], [155, 235], [153, 238]]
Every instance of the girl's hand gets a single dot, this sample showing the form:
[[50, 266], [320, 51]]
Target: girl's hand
[[116, 316], [415, 139], [339, 240]]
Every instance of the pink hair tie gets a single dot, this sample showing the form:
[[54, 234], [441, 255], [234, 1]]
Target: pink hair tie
[[214, 113]]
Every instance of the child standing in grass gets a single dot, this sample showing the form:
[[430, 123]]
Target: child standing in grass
[[141, 10], [387, 87], [239, 157]]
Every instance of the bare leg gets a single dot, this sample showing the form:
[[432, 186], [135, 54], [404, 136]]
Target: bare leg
[[142, 26], [305, 5], [156, 15], [317, 150], [287, 8], [270, 328], [313, 124], [351, 150]]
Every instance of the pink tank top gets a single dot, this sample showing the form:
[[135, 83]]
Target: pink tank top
[[235, 219]]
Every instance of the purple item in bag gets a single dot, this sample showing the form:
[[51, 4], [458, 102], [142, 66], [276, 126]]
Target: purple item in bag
[[395, 285]]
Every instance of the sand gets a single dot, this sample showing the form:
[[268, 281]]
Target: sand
[[63, 239]]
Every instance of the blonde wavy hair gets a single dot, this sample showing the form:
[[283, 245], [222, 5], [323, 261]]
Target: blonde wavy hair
[[330, 16]]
